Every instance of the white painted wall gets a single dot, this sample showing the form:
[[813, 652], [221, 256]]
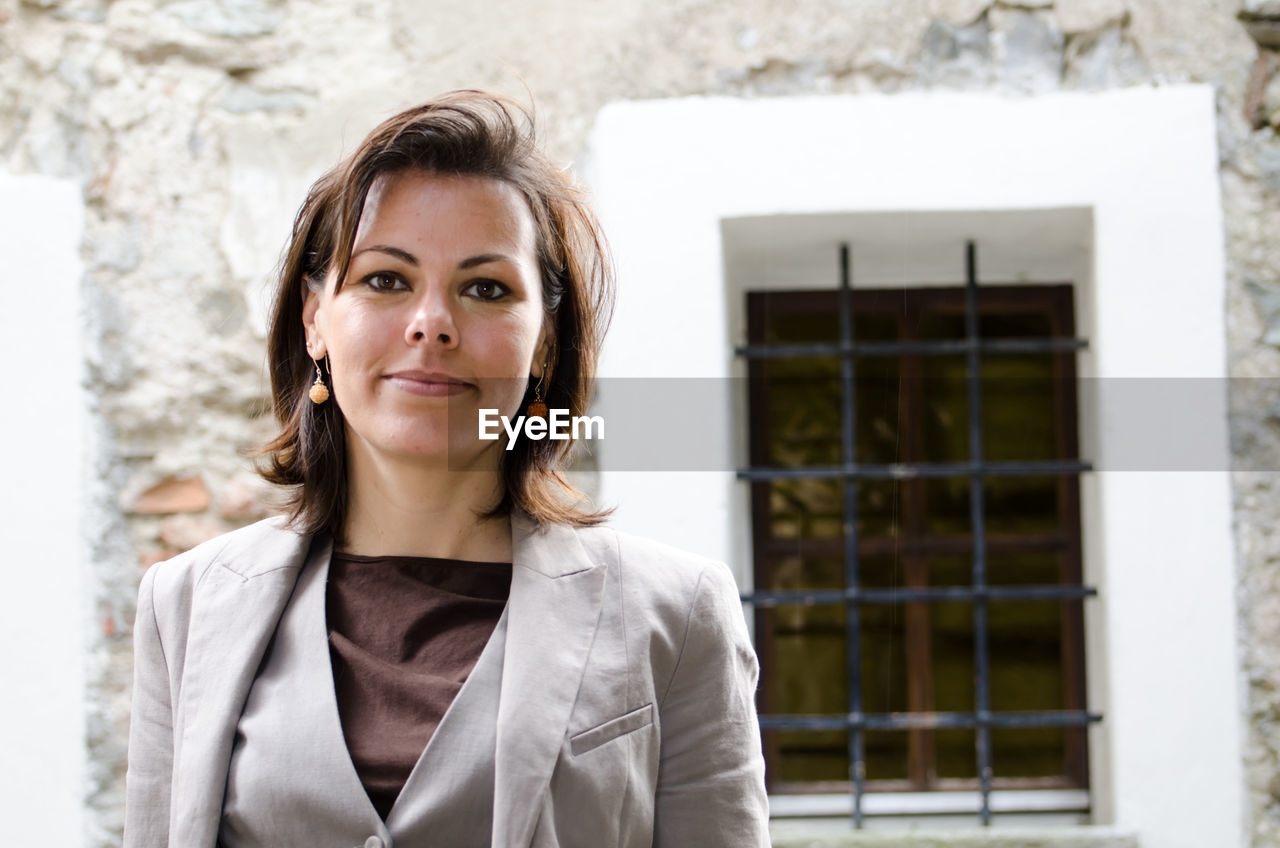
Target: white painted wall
[[669, 178], [42, 708]]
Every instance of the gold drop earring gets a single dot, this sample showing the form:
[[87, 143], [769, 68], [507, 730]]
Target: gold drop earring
[[538, 409], [319, 391]]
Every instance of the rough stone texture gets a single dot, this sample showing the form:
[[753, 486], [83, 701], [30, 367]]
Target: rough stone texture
[[1084, 15], [1265, 31], [1028, 49], [1271, 101], [173, 495], [195, 127]]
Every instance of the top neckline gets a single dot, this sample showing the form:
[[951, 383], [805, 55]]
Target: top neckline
[[400, 559]]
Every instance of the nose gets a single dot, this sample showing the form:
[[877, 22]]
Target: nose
[[432, 321]]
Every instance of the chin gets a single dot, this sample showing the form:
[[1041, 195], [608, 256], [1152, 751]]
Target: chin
[[465, 457]]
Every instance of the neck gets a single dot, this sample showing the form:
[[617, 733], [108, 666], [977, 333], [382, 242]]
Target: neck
[[403, 509]]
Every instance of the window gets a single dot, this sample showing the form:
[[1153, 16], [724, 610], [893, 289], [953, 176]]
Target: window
[[1118, 192], [916, 539]]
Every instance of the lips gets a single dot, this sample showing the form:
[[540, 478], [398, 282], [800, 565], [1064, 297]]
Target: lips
[[428, 383]]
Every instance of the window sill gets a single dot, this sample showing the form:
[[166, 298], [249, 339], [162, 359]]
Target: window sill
[[1067, 801], [797, 834]]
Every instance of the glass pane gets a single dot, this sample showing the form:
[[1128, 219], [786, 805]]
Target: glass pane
[[874, 326], [803, 397], [795, 573], [879, 508], [806, 509], [951, 570], [945, 407], [1028, 751], [886, 753], [1025, 649], [941, 326], [951, 645], [808, 756], [1023, 505], [879, 406], [808, 668], [1019, 398], [957, 753], [814, 508], [1024, 569], [1014, 325], [807, 674], [946, 506], [796, 317], [1019, 409], [884, 660]]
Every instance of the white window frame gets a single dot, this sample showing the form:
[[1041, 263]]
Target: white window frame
[[670, 177]]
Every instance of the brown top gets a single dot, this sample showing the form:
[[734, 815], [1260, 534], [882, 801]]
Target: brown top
[[404, 633]]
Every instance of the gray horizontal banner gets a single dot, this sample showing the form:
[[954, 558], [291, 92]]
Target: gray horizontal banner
[[905, 428]]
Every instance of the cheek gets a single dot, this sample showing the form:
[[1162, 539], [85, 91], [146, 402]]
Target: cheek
[[359, 337], [504, 350]]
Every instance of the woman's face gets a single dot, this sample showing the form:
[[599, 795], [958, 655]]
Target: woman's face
[[440, 315]]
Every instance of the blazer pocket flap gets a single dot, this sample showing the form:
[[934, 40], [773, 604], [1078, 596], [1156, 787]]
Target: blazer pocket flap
[[613, 728]]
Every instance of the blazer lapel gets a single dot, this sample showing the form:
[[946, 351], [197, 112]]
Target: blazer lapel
[[235, 609], [553, 610]]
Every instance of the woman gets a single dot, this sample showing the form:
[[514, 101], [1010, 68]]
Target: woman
[[440, 644]]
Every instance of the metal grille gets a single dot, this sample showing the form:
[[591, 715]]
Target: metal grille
[[982, 718]]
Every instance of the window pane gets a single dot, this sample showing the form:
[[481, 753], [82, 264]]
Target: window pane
[[1020, 403], [793, 573], [886, 754], [946, 506], [1023, 505], [884, 654], [806, 509], [810, 756], [803, 409], [1025, 649], [951, 570], [1028, 752], [951, 645], [799, 317], [957, 753], [945, 407], [1015, 324], [807, 673], [1024, 569]]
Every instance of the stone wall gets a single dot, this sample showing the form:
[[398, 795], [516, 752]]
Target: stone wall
[[194, 127]]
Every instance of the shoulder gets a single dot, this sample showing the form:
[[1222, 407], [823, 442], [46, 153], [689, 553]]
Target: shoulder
[[655, 571], [248, 552], [686, 612]]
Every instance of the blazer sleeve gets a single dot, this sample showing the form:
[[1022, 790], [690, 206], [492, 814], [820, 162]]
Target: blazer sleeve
[[710, 788], [150, 773]]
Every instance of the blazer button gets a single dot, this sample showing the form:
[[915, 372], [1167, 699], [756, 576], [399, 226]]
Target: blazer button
[[373, 842]]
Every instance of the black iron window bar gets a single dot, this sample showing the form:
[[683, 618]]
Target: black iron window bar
[[982, 719]]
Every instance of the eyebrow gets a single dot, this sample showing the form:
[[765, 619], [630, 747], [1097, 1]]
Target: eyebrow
[[406, 256], [402, 255], [484, 259]]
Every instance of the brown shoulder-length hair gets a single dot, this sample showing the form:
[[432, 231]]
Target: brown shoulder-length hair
[[462, 133]]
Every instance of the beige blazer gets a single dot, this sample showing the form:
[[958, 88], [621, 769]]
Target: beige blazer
[[626, 709]]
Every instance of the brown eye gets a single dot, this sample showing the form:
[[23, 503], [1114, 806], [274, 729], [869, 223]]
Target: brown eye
[[383, 281], [486, 290]]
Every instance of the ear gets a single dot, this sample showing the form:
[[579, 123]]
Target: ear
[[310, 310]]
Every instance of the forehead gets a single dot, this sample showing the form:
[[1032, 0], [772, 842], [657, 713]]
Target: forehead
[[446, 212]]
